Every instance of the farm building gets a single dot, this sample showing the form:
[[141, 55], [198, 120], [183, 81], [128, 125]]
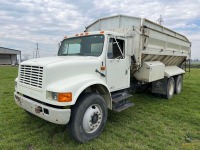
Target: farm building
[[9, 56]]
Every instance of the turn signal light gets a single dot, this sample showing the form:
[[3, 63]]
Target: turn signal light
[[103, 68], [64, 97]]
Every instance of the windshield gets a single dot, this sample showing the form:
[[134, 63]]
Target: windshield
[[91, 45]]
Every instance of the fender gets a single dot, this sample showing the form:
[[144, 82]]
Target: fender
[[172, 71], [76, 85]]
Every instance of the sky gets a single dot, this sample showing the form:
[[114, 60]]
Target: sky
[[23, 23]]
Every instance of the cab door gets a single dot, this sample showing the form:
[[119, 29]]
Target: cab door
[[117, 64]]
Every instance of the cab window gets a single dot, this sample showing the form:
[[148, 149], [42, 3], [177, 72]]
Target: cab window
[[115, 49]]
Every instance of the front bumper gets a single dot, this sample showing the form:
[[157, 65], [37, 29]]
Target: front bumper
[[54, 115]]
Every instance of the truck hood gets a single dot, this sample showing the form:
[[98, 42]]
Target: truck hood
[[65, 69], [48, 60]]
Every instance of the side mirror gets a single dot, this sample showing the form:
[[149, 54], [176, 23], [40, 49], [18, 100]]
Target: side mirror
[[111, 40], [130, 43], [130, 46]]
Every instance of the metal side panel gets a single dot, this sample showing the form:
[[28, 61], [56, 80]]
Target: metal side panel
[[114, 22], [150, 71], [172, 71]]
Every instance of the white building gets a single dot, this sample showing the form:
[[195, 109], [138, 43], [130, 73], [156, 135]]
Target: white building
[[9, 56]]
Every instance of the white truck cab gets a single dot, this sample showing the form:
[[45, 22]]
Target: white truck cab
[[47, 87], [95, 71]]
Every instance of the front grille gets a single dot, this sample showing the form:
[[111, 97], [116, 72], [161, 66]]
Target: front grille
[[31, 75]]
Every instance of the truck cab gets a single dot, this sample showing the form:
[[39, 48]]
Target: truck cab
[[88, 64]]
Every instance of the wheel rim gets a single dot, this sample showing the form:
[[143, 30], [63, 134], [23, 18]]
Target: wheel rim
[[92, 118], [171, 88]]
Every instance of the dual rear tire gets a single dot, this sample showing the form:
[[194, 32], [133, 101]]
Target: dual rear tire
[[178, 84], [174, 85]]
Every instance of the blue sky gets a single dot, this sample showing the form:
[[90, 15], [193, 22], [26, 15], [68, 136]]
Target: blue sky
[[23, 23]]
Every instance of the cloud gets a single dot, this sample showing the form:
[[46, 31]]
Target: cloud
[[24, 23], [37, 21]]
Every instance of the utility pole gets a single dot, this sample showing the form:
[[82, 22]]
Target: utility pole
[[37, 54], [160, 20]]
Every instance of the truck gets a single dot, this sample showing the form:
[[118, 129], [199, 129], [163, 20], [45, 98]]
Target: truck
[[99, 69]]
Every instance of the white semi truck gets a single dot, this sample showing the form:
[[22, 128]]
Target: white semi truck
[[98, 70]]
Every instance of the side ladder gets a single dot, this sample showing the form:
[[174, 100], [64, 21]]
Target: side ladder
[[187, 65], [120, 101]]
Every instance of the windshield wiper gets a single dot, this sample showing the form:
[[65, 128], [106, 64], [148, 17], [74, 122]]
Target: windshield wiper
[[81, 54]]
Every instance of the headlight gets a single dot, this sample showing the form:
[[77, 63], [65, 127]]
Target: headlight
[[60, 97], [54, 96]]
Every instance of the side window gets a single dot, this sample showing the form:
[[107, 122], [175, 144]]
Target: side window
[[115, 49]]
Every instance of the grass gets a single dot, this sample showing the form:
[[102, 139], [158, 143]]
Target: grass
[[153, 123], [195, 65]]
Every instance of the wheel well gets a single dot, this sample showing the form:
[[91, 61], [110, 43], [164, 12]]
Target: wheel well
[[101, 90]]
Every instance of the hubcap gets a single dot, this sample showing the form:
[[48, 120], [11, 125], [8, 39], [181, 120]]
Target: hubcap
[[92, 118], [95, 118]]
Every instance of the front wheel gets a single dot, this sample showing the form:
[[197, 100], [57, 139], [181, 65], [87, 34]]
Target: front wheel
[[88, 117]]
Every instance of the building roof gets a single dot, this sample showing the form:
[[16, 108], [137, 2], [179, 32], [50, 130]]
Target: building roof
[[4, 50]]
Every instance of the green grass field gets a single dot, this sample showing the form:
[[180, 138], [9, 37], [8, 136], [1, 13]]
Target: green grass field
[[195, 65], [153, 123]]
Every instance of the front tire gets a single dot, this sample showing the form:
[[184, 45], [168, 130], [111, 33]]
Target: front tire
[[88, 117]]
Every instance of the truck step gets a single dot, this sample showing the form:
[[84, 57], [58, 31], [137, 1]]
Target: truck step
[[120, 98], [123, 107]]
